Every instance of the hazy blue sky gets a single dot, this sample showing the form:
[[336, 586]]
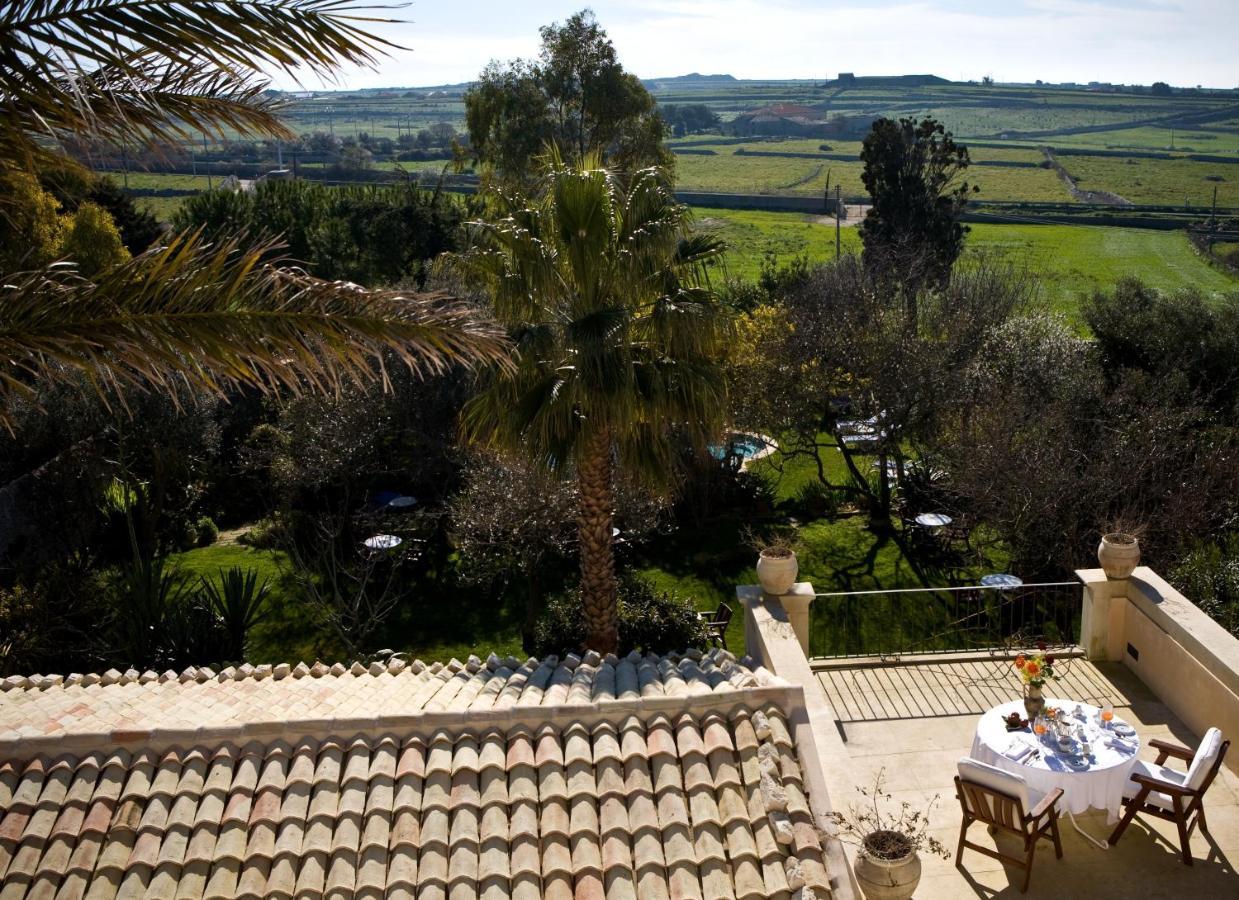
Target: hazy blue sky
[[1185, 42]]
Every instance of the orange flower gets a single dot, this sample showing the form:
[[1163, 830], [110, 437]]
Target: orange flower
[[1019, 661], [1031, 669]]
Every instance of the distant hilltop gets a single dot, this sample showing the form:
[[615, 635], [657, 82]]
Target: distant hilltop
[[695, 76]]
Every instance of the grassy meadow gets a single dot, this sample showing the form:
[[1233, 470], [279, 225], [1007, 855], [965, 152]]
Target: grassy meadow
[[1070, 260]]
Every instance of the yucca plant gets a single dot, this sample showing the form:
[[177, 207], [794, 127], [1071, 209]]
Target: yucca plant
[[140, 72], [240, 600], [619, 341]]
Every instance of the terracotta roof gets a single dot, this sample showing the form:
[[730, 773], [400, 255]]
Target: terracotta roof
[[650, 777]]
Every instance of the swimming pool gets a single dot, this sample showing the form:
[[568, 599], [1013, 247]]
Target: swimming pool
[[744, 446]]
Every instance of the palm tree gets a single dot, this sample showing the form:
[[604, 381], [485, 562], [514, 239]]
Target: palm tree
[[618, 337], [142, 72]]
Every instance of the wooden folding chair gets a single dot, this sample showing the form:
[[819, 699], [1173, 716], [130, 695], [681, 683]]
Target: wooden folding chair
[[1004, 802], [1174, 796], [716, 624]]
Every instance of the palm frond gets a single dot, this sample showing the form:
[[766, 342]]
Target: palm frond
[[216, 316], [126, 69]]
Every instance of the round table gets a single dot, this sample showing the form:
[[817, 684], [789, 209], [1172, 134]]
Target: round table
[[1099, 785], [382, 542], [1002, 580], [933, 520], [402, 502]]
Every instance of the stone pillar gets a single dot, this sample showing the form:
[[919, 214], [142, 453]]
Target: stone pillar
[[796, 603], [1102, 618]]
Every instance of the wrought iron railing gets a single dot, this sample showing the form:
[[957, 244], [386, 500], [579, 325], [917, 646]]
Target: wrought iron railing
[[897, 623]]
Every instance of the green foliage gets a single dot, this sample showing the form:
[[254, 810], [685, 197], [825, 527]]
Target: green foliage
[[601, 287], [1209, 576], [239, 599], [576, 96], [93, 241], [31, 226], [159, 623], [650, 621], [912, 172], [71, 187], [689, 118], [370, 235], [1170, 334], [205, 531]]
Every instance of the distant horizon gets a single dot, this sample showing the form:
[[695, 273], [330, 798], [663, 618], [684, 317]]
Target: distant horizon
[[1186, 43], [342, 89]]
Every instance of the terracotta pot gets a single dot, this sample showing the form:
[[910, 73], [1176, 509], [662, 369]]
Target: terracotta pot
[[777, 574], [887, 879], [1119, 554]]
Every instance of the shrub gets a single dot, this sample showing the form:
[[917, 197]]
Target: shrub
[[1209, 577], [650, 621], [205, 531], [263, 535]]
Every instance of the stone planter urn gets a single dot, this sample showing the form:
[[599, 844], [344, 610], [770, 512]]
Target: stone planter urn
[[1119, 554], [777, 570], [1034, 701], [887, 879]]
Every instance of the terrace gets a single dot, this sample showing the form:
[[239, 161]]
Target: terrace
[[909, 709]]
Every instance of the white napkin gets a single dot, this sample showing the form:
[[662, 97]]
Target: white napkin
[[1016, 751], [1119, 743]]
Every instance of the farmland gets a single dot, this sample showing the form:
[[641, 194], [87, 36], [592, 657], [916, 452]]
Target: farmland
[[1071, 261]]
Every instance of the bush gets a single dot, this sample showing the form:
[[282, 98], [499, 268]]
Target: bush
[[650, 621], [264, 535], [205, 531], [1209, 577]]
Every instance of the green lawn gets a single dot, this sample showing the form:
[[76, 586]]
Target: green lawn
[[1070, 260], [1163, 182]]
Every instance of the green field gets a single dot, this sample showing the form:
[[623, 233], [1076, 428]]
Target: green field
[[1164, 182], [1069, 260]]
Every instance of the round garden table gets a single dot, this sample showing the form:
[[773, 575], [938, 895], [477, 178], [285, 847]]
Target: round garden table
[[1095, 781]]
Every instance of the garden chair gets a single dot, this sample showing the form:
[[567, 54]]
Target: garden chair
[[1178, 797], [716, 624], [1005, 802]]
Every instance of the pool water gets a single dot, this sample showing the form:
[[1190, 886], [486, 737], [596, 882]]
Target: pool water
[[744, 446]]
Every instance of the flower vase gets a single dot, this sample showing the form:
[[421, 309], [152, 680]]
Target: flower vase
[[1033, 701]]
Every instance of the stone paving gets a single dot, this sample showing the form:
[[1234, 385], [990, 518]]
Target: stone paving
[[913, 722]]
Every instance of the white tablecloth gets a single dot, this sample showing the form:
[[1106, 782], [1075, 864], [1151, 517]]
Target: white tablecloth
[[1100, 786]]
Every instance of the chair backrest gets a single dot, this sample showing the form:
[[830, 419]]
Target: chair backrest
[[722, 615], [1206, 755], [993, 795]]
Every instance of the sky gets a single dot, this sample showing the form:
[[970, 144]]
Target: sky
[[1183, 42]]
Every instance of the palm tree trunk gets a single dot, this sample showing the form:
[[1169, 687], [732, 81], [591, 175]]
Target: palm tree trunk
[[598, 594]]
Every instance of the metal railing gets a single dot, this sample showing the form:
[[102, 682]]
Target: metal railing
[[901, 622]]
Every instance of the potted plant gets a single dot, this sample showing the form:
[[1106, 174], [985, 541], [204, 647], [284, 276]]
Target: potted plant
[[888, 862], [776, 562], [1119, 551], [1035, 669]]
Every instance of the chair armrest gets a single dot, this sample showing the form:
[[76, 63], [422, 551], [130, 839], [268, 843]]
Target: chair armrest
[[1174, 750], [1046, 804], [1165, 787]]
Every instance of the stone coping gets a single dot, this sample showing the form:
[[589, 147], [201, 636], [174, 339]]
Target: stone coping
[[476, 722], [1202, 637]]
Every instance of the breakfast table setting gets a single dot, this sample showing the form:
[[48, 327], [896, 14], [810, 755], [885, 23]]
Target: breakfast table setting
[[1086, 750]]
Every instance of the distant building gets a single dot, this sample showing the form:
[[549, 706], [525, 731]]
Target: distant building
[[847, 79]]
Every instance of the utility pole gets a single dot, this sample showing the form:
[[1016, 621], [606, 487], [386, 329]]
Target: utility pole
[[1213, 214], [838, 214], [207, 163]]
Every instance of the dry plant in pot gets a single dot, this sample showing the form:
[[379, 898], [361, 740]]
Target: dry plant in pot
[[1119, 550], [888, 863], [777, 567]]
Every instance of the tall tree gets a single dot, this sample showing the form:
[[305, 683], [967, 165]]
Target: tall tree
[[619, 344], [145, 73], [912, 232], [576, 96]]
